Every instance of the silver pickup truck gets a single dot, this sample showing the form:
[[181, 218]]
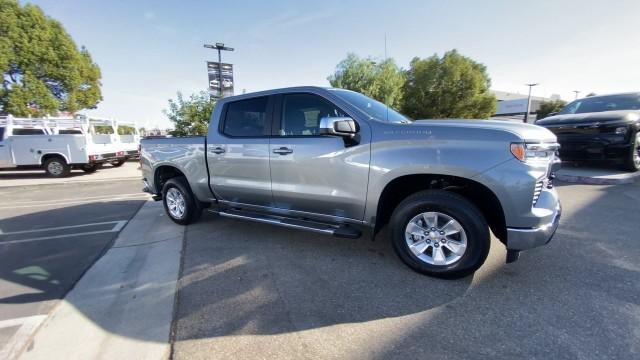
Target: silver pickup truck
[[336, 162]]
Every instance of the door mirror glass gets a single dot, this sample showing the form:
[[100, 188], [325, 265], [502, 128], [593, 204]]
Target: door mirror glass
[[338, 126]]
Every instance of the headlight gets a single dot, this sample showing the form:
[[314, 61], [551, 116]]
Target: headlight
[[622, 130], [533, 152]]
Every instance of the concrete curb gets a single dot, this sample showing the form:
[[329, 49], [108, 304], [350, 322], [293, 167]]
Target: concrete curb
[[122, 307], [618, 179]]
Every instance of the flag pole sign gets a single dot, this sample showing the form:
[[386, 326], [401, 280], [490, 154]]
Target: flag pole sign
[[220, 79]]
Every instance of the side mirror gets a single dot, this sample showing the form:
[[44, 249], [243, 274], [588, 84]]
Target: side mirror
[[338, 126], [552, 114]]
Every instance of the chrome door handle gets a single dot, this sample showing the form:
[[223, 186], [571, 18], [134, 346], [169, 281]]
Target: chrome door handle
[[283, 151], [218, 150]]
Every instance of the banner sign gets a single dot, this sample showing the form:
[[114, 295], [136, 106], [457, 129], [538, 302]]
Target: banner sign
[[217, 88]]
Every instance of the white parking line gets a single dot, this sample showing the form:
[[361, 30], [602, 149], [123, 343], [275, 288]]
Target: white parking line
[[82, 198], [19, 340], [49, 203], [117, 222], [118, 225]]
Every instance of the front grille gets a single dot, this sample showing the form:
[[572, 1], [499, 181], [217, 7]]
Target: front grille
[[537, 191]]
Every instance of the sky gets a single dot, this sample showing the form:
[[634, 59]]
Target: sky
[[149, 50]]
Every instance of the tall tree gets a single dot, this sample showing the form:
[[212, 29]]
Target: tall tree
[[548, 107], [43, 71], [381, 80], [191, 116], [452, 86]]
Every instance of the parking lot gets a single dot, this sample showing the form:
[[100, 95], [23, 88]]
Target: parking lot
[[247, 290], [250, 290], [49, 236]]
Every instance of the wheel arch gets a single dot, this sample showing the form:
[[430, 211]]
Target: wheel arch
[[164, 173], [480, 195], [47, 156]]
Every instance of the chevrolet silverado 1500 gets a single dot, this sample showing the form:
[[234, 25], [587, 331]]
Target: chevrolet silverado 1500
[[336, 162]]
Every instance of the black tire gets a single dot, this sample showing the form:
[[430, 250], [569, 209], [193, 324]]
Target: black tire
[[191, 209], [632, 163], [57, 167], [90, 168], [118, 163], [478, 238]]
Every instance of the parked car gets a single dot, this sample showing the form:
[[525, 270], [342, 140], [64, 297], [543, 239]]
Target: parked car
[[603, 127], [336, 162], [27, 144]]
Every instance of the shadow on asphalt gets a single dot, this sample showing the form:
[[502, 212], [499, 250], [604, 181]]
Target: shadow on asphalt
[[577, 297], [35, 174], [48, 269]]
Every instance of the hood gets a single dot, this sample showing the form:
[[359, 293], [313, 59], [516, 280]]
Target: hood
[[527, 132], [596, 118]]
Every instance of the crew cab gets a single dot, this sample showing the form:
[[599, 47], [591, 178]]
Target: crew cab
[[603, 128], [336, 162]]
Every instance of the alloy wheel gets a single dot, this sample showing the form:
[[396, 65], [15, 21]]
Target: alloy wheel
[[175, 203], [436, 238]]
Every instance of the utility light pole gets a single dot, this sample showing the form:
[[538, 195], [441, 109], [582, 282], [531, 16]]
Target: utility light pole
[[526, 115], [577, 92], [220, 47]]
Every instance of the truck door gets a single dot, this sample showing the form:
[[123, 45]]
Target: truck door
[[5, 150], [315, 173], [238, 152]]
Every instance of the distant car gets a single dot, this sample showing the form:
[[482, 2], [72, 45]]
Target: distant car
[[214, 83], [227, 83], [602, 127]]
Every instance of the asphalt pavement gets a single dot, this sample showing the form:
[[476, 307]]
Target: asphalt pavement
[[255, 291], [49, 236]]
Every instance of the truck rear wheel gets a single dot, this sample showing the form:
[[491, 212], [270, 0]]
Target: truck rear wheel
[[440, 233], [632, 163], [90, 168], [118, 163], [179, 202], [56, 167]]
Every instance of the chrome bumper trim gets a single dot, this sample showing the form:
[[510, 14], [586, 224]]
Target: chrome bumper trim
[[524, 239]]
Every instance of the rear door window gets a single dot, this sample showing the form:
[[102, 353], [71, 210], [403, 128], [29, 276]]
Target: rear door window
[[247, 118]]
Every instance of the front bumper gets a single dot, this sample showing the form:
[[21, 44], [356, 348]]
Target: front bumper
[[524, 239]]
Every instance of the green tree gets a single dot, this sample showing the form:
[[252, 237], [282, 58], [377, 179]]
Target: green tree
[[191, 116], [453, 86], [548, 107], [380, 80], [43, 70]]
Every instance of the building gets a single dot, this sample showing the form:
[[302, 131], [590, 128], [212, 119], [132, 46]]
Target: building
[[512, 106]]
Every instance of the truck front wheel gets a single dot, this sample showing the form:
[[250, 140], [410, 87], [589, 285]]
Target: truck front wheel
[[179, 202], [440, 233], [57, 167]]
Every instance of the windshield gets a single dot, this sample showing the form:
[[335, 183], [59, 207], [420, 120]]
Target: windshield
[[603, 103], [375, 109]]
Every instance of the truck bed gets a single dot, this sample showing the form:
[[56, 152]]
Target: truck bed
[[184, 153]]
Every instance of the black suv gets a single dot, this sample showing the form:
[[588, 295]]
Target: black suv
[[599, 128]]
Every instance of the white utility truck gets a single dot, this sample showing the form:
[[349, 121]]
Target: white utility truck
[[27, 144], [129, 139], [101, 135]]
